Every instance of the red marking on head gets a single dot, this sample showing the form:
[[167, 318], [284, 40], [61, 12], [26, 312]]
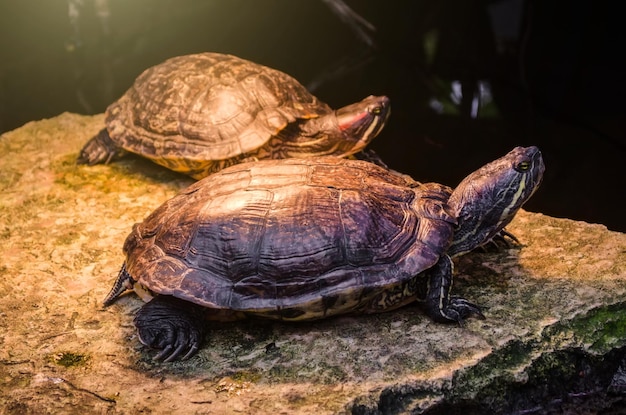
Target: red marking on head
[[348, 123]]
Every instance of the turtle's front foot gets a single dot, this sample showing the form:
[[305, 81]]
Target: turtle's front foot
[[171, 325], [458, 309], [454, 310], [438, 304], [503, 240]]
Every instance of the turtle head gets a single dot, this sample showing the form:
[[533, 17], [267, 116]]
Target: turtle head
[[361, 122], [488, 199], [339, 133]]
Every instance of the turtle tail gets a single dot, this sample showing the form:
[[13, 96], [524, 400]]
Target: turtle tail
[[123, 283]]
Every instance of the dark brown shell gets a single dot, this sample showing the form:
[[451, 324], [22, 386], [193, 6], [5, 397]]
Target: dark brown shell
[[207, 106], [302, 238]]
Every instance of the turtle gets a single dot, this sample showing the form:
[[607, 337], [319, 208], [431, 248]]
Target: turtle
[[199, 113], [306, 239]]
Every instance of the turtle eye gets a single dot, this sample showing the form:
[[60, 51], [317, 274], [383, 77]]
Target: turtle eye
[[376, 110], [522, 166]]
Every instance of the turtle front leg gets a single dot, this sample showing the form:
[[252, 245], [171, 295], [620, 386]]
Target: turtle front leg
[[438, 304], [174, 326]]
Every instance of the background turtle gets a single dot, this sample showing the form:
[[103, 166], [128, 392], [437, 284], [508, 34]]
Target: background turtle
[[197, 114], [312, 238]]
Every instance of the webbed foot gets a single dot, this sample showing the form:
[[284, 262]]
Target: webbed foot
[[174, 326], [503, 239], [457, 310], [438, 303]]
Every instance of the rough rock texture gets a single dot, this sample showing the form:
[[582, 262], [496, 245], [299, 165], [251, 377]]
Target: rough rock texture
[[554, 338]]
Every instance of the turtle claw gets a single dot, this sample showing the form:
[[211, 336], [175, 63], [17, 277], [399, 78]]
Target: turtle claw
[[465, 309], [507, 237], [166, 355], [163, 353], [170, 325], [503, 239], [456, 311], [192, 350]]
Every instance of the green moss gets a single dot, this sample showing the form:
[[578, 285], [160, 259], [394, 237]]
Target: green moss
[[68, 237], [598, 330], [82, 178], [132, 175], [550, 366], [317, 372], [506, 361], [69, 359], [251, 376]]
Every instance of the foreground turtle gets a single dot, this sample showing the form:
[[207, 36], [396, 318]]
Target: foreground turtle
[[197, 114], [312, 238]]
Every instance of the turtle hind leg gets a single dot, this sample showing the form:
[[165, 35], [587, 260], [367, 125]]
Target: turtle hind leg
[[99, 150], [174, 326], [438, 304]]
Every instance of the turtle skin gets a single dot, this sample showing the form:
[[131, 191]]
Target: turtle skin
[[305, 239], [197, 114]]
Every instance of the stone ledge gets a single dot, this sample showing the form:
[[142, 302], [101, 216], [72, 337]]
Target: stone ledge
[[555, 333]]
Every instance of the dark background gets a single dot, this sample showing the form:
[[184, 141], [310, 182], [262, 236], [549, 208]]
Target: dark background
[[553, 72]]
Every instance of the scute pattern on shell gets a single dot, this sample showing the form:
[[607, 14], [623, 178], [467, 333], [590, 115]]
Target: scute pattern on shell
[[206, 106], [302, 238]]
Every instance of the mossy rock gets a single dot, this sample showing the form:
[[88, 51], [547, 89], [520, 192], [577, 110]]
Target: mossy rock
[[554, 335]]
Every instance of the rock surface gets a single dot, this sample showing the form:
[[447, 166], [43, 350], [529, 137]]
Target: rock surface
[[554, 337]]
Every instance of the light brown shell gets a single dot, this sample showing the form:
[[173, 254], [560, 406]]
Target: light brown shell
[[190, 110]]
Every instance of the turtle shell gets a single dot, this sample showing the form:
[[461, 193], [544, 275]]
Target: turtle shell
[[192, 109], [292, 239]]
